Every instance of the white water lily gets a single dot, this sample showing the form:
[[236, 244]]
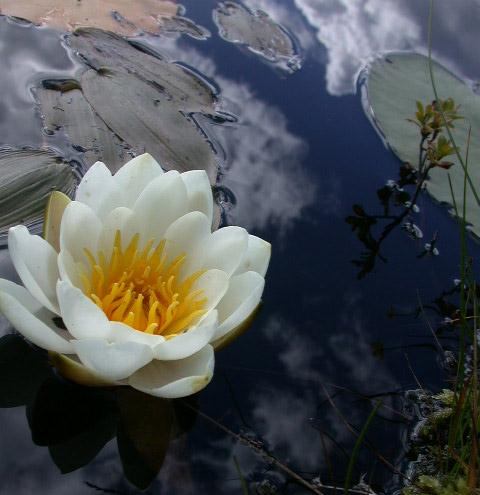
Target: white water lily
[[145, 290]]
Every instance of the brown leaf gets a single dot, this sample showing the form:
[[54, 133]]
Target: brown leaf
[[125, 17]]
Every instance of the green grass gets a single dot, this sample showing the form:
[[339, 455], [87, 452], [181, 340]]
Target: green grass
[[458, 469]]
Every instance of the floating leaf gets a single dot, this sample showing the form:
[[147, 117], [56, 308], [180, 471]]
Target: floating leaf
[[137, 113], [394, 84], [121, 16], [70, 112], [129, 101], [182, 25], [27, 177], [103, 50], [258, 32]]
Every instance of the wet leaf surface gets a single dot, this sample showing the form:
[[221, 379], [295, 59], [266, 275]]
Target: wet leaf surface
[[101, 49], [183, 25], [128, 101], [70, 112], [141, 116], [27, 177], [258, 32], [395, 83]]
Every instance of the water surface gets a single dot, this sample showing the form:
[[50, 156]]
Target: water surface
[[299, 156]]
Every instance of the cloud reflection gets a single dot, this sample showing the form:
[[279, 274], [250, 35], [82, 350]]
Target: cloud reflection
[[289, 408], [38, 52], [354, 31], [264, 158]]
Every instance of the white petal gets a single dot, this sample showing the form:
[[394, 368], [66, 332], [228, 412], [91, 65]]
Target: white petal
[[112, 361], [36, 263], [71, 367], [214, 284], [257, 257], [21, 295], [80, 229], [243, 296], [38, 328], [188, 343], [186, 234], [118, 219], [173, 379], [124, 333], [83, 318], [99, 191], [69, 269], [135, 176], [160, 204], [199, 191], [224, 249]]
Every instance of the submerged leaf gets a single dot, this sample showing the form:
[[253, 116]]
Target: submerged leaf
[[395, 83], [258, 32], [121, 16], [27, 177]]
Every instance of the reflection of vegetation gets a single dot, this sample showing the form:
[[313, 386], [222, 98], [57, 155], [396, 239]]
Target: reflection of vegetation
[[434, 148], [76, 422]]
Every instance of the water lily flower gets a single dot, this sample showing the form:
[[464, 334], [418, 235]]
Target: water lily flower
[[130, 285]]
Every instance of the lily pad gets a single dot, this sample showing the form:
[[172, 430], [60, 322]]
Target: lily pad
[[393, 85], [182, 25], [70, 112], [121, 16], [128, 101], [256, 30], [103, 50], [27, 177], [146, 120]]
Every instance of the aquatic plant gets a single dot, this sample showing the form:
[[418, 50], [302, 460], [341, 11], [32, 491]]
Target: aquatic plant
[[431, 485], [131, 283], [434, 150], [450, 434]]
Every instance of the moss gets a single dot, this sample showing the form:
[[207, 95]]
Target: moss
[[436, 485]]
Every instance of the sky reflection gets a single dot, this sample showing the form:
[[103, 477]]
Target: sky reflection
[[264, 164], [352, 32], [41, 53]]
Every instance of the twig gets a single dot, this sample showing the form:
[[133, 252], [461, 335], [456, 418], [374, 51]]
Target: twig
[[258, 450], [355, 433]]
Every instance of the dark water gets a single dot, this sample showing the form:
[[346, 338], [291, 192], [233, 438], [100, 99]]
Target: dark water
[[301, 155]]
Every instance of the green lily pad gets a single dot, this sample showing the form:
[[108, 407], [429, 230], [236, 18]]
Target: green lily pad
[[27, 177], [393, 85]]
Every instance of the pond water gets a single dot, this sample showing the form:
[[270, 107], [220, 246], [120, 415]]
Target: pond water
[[295, 153]]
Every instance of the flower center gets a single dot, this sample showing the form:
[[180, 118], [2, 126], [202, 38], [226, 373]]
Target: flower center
[[139, 288]]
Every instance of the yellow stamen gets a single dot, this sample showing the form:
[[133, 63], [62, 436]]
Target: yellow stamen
[[141, 289]]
